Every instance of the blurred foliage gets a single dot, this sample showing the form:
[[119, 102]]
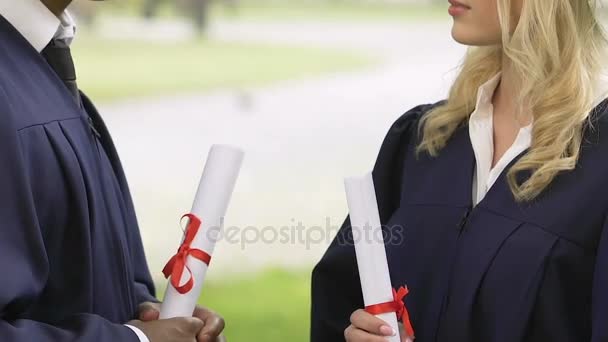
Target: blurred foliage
[[331, 11], [284, 10], [271, 306], [118, 69]]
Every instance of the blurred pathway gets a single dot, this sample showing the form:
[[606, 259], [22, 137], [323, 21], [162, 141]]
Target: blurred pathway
[[301, 139]]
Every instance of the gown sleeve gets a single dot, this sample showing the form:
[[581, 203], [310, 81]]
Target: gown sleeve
[[599, 298], [336, 290], [24, 264], [144, 286]]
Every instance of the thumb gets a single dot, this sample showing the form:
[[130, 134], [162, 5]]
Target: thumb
[[404, 335], [149, 311], [193, 325]]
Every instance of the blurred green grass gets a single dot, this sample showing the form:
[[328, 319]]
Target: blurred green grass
[[116, 69], [269, 306]]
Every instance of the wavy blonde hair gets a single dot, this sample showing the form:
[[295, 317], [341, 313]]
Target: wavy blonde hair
[[556, 52]]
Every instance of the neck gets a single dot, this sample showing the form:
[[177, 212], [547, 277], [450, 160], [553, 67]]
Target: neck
[[56, 6], [506, 91]]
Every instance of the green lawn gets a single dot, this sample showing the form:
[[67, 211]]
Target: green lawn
[[111, 70], [272, 306]]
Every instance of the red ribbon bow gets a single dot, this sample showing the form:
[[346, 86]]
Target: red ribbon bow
[[397, 306], [177, 264]]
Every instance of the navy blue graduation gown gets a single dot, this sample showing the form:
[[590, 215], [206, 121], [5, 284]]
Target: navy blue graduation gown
[[498, 272], [71, 259]]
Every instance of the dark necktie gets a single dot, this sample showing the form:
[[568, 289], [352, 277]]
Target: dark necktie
[[59, 57]]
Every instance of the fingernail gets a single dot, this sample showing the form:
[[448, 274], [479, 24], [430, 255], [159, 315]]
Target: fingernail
[[409, 339], [387, 331]]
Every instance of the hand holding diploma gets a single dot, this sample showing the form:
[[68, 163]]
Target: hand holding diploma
[[178, 318], [204, 325], [367, 327], [383, 304], [187, 269]]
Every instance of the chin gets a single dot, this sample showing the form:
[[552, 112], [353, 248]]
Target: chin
[[467, 37]]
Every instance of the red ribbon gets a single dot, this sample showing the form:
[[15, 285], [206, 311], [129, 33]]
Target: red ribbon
[[177, 264], [397, 306]]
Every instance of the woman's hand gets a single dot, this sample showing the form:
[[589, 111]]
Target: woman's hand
[[369, 328]]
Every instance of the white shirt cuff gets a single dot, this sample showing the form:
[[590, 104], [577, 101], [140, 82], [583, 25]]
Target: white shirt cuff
[[140, 334]]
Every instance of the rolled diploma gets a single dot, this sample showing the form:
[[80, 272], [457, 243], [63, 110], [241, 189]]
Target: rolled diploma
[[370, 251], [210, 205]]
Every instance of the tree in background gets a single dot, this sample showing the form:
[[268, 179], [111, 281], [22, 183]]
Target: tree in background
[[150, 8], [198, 10]]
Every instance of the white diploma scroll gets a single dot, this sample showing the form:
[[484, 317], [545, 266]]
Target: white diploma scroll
[[369, 246], [210, 205]]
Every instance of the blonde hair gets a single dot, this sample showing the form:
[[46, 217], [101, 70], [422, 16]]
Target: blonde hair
[[555, 52]]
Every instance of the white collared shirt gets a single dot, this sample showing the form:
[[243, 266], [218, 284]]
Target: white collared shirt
[[38, 25], [481, 133]]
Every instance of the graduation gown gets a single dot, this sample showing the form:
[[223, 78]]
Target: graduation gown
[[498, 272], [71, 257]]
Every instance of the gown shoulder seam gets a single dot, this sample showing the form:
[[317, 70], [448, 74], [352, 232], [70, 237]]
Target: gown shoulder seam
[[543, 228], [47, 122]]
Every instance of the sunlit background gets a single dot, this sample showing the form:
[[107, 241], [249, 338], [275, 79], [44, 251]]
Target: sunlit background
[[307, 88]]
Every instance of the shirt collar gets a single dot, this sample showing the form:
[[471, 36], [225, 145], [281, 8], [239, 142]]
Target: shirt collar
[[486, 91], [67, 29], [484, 98], [36, 23]]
